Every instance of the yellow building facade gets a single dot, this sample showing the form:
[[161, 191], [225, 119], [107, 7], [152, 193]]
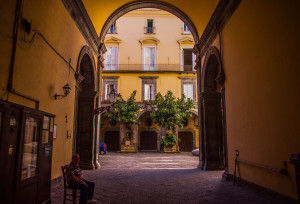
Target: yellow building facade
[[150, 51]]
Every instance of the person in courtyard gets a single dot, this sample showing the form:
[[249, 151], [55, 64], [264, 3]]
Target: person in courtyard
[[75, 180]]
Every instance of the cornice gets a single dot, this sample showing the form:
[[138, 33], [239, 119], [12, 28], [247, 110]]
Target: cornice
[[217, 22], [83, 22]]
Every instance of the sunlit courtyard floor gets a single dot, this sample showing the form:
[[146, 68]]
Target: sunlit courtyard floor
[[159, 178]]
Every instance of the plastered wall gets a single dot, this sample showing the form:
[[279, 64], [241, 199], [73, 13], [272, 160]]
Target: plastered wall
[[39, 72], [260, 59]]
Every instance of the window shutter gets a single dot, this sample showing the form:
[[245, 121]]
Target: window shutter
[[147, 92], [188, 91], [146, 58]]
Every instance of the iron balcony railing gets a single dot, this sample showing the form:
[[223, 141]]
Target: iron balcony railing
[[149, 30], [147, 67]]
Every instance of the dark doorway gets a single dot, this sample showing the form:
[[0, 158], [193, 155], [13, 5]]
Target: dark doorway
[[148, 140], [187, 59], [85, 118], [186, 141], [112, 140], [212, 134]]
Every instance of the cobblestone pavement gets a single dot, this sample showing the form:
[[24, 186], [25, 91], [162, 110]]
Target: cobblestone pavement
[[159, 178]]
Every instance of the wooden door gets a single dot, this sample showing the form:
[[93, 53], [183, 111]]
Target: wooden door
[[9, 129], [148, 140], [112, 140], [186, 141]]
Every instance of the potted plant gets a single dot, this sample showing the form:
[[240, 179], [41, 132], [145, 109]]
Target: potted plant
[[170, 112], [125, 112], [127, 138]]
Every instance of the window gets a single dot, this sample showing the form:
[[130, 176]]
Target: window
[[113, 28], [111, 58], [149, 91], [186, 29], [188, 87], [109, 83], [149, 58], [188, 91], [148, 87], [30, 148], [108, 89], [187, 59], [150, 27]]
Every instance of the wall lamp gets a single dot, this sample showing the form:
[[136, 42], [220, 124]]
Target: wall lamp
[[67, 89], [112, 96]]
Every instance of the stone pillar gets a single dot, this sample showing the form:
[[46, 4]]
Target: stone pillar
[[122, 133], [135, 131], [212, 129]]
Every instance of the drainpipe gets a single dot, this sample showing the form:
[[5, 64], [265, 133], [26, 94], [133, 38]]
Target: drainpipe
[[18, 14]]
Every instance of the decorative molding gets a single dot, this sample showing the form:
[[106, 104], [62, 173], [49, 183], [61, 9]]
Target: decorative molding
[[208, 74], [83, 22], [86, 50], [217, 22], [149, 40], [110, 77], [112, 40], [148, 77], [186, 40], [148, 4]]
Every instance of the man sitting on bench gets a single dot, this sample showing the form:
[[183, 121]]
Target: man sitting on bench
[[76, 180]]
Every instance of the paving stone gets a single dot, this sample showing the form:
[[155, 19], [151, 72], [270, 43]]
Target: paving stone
[[160, 178]]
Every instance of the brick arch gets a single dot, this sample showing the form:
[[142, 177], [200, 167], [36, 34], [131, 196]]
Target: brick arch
[[148, 4]]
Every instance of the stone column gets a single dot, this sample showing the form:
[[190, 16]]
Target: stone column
[[212, 129], [134, 129], [122, 133]]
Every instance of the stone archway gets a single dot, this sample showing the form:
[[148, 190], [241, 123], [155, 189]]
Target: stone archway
[[85, 101], [148, 4], [212, 151]]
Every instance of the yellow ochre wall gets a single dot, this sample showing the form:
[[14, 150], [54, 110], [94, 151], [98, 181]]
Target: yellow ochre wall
[[168, 30], [260, 57], [129, 82], [39, 72]]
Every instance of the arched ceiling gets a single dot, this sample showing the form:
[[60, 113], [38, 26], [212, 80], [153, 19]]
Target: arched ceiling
[[199, 11]]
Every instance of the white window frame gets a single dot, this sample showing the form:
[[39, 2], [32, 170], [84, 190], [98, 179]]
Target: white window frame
[[186, 29], [109, 66], [114, 26], [106, 96], [145, 67], [182, 57], [191, 92], [151, 92]]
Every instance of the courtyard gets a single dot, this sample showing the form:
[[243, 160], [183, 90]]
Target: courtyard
[[159, 178]]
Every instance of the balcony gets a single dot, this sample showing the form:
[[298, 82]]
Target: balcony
[[149, 30], [147, 68]]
